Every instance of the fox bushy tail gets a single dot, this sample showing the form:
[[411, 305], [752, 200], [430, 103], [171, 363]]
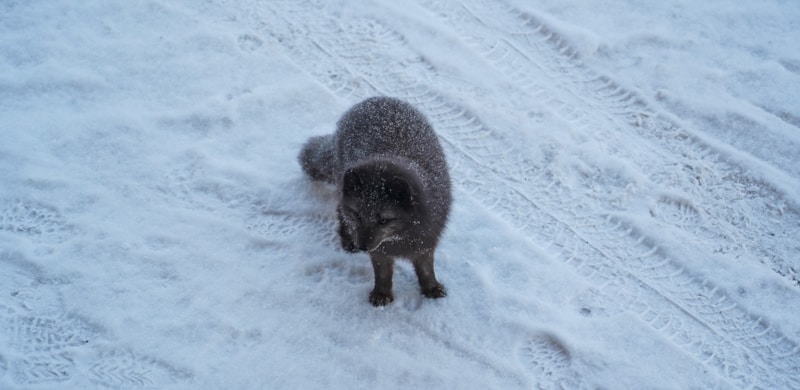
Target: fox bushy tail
[[317, 158]]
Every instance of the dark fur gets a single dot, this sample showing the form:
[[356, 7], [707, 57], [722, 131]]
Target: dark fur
[[394, 188]]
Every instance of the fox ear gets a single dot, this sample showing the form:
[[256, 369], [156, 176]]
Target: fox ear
[[352, 182], [401, 191]]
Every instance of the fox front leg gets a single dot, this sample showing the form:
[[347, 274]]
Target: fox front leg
[[430, 287], [384, 268]]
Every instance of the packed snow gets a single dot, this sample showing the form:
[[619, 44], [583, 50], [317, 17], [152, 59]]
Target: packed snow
[[626, 185]]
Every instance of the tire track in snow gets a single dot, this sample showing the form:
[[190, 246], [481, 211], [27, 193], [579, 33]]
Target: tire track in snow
[[51, 347], [693, 292], [646, 281], [322, 64], [120, 368], [523, 47], [608, 96], [551, 359], [698, 316]]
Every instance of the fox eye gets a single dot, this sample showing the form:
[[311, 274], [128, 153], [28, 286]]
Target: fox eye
[[382, 221]]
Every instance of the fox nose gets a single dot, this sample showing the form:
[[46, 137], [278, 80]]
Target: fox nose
[[362, 248]]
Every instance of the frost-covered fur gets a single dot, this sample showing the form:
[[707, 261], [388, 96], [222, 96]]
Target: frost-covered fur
[[394, 188]]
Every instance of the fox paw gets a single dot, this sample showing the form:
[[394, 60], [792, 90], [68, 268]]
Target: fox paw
[[380, 299], [436, 291]]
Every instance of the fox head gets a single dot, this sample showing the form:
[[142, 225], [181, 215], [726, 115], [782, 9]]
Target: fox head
[[381, 201]]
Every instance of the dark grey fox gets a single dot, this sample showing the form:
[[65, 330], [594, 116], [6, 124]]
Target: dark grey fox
[[394, 188]]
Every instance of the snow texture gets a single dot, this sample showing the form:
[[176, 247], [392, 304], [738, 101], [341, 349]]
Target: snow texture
[[626, 184]]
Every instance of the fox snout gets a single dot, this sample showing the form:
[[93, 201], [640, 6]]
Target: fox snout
[[362, 239], [351, 246], [353, 239], [363, 242]]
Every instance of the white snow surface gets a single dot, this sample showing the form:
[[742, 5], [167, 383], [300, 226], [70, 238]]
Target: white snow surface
[[626, 184]]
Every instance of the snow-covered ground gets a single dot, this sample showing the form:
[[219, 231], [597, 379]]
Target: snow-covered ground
[[626, 179]]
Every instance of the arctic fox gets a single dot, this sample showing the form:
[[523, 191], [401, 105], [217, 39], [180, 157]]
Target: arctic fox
[[394, 188]]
